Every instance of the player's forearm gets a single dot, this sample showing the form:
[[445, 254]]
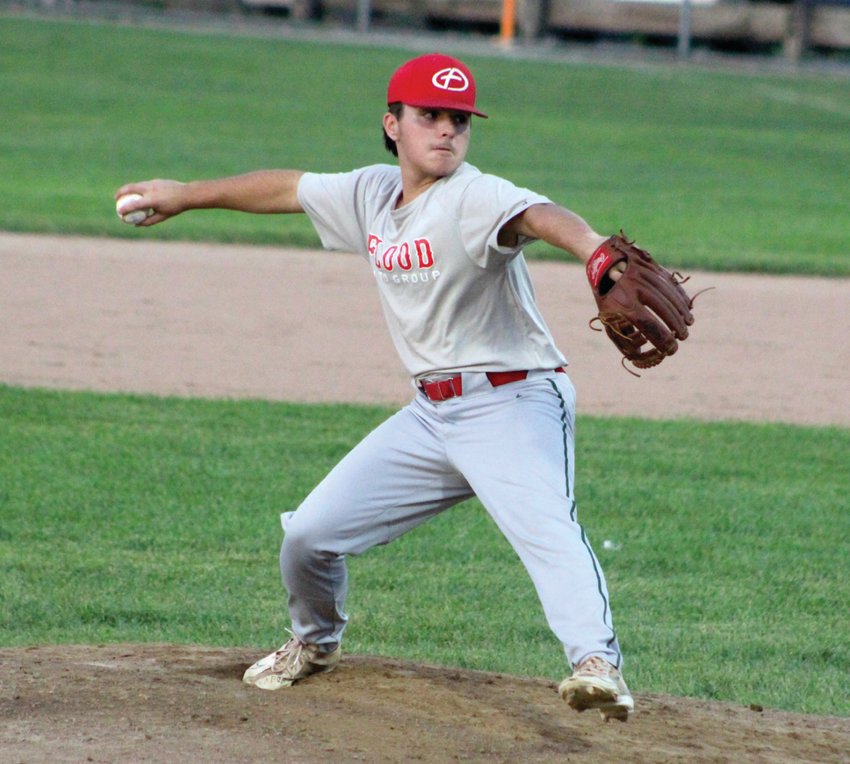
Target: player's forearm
[[561, 228], [264, 191]]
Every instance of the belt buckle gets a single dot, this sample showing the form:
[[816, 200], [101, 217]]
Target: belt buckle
[[455, 385], [443, 389]]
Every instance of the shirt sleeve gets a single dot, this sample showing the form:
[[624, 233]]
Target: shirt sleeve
[[486, 205], [340, 205], [329, 199]]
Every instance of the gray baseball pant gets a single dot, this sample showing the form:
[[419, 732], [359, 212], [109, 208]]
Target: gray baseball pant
[[511, 446]]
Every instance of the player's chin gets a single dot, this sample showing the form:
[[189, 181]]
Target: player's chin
[[445, 163]]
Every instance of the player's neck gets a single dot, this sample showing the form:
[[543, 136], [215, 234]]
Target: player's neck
[[414, 183]]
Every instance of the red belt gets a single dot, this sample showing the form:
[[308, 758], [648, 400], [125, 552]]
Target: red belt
[[443, 389]]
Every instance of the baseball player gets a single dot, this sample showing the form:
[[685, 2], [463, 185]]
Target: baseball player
[[493, 414]]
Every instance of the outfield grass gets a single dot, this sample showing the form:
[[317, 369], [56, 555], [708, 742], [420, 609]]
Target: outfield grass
[[708, 169], [138, 518]]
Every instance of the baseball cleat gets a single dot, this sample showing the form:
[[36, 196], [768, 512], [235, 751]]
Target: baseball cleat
[[295, 660], [595, 683]]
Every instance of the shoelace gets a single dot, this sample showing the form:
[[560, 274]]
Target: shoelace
[[290, 653], [595, 666]]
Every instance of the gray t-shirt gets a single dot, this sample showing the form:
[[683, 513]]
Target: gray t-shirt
[[454, 299]]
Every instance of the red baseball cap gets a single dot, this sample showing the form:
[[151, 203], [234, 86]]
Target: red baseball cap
[[434, 80]]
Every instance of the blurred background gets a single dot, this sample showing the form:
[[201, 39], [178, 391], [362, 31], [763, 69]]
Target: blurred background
[[790, 30]]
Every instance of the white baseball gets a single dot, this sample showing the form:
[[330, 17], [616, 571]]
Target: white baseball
[[135, 217]]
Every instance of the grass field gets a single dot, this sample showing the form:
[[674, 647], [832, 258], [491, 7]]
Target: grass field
[[709, 169], [132, 518], [146, 519]]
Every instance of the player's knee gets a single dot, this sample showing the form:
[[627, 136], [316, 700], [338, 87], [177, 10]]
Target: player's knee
[[302, 543]]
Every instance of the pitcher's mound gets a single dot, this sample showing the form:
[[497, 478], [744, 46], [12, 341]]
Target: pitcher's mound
[[185, 704]]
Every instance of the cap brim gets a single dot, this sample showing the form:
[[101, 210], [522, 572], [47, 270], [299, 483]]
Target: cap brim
[[453, 106]]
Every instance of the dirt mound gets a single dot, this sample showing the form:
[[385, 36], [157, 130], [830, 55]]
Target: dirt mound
[[146, 703]]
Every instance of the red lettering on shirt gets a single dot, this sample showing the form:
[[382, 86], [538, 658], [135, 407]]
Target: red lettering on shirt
[[372, 244], [401, 255], [389, 253], [424, 253]]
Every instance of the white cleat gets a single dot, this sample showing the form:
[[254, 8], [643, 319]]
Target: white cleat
[[295, 660], [595, 683]]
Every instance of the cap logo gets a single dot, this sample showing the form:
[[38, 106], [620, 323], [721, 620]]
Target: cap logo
[[451, 78]]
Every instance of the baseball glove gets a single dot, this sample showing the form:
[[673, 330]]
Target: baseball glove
[[645, 312]]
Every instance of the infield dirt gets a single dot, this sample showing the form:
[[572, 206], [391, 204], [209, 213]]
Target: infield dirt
[[229, 321]]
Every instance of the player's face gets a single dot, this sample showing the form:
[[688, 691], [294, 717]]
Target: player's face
[[433, 141]]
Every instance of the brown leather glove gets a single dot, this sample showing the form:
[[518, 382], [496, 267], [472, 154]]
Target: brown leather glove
[[645, 312]]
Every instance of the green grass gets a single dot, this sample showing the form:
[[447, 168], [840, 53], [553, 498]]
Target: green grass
[[708, 169], [128, 518]]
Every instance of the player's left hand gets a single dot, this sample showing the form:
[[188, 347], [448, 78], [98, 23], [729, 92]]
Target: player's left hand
[[642, 307]]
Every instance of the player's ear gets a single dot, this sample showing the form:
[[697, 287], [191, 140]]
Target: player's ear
[[391, 125]]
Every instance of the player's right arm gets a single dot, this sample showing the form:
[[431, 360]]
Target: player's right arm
[[263, 192]]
